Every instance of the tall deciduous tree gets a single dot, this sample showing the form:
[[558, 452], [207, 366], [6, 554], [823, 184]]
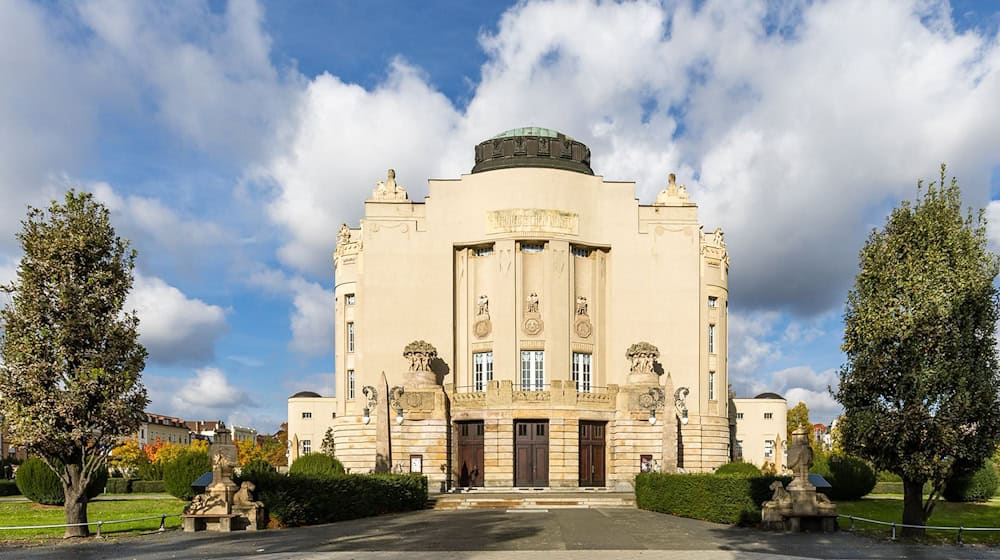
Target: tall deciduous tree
[[71, 358], [328, 447], [798, 417], [919, 388]]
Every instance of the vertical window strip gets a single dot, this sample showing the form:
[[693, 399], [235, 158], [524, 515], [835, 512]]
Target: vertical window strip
[[711, 385], [711, 339], [350, 336], [350, 384]]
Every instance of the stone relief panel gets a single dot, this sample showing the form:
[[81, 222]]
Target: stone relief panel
[[532, 324], [482, 327]]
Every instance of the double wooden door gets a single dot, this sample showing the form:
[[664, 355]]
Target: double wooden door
[[470, 453], [592, 453], [531, 453]]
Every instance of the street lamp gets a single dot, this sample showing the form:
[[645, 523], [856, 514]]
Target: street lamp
[[395, 401]]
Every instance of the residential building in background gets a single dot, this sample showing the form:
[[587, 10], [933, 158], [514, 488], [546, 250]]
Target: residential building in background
[[167, 429], [529, 324], [761, 426]]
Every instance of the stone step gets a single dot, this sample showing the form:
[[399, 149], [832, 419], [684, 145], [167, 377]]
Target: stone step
[[514, 501]]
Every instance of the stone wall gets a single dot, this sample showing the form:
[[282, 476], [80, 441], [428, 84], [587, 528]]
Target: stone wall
[[428, 438], [355, 444]]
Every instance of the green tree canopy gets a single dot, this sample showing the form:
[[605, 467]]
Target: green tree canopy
[[71, 359], [919, 388], [798, 417]]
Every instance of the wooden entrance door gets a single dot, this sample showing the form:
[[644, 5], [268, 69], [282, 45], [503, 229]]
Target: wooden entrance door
[[592, 453], [531, 453], [470, 453]]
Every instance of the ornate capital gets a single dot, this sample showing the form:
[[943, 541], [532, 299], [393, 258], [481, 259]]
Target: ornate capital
[[420, 354]]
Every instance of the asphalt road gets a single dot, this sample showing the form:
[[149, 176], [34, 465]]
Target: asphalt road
[[494, 534]]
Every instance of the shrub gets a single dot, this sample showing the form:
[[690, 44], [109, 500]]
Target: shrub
[[148, 487], [977, 486], [40, 485], [721, 499], [256, 468], [738, 468], [150, 471], [298, 499], [316, 464], [9, 488], [850, 477], [179, 473], [117, 485]]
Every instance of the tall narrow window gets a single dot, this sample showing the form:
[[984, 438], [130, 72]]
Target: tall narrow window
[[532, 370], [307, 446], [769, 448], [711, 385], [713, 301], [482, 370], [349, 299], [350, 384], [350, 336], [581, 372], [711, 339]]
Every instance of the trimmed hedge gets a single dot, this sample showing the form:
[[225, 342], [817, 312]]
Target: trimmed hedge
[[148, 487], [38, 483], [739, 468], [711, 497], [9, 488], [179, 473], [977, 486], [316, 464], [297, 499], [118, 485]]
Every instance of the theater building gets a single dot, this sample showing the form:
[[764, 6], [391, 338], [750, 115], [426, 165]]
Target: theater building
[[529, 324]]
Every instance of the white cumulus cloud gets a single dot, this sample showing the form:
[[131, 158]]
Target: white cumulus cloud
[[209, 394], [312, 317], [174, 328]]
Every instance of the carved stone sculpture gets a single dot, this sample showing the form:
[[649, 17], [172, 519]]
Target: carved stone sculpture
[[420, 355], [532, 306], [532, 324], [581, 305], [483, 327], [800, 506], [642, 356], [581, 325], [673, 195], [223, 507], [389, 190]]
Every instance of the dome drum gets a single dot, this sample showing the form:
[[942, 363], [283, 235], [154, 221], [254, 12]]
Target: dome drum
[[532, 147]]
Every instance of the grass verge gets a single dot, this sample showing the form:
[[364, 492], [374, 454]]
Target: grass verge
[[14, 514], [890, 509]]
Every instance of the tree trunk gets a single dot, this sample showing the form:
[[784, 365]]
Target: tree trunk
[[913, 507], [76, 503]]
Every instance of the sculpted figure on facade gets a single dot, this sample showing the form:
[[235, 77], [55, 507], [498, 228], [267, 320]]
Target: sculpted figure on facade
[[532, 306], [673, 195], [642, 356], [420, 355], [389, 189], [483, 309], [581, 305]]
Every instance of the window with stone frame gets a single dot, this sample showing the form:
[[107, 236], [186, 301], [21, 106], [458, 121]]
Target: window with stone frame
[[350, 384], [306, 446], [581, 371], [350, 336], [482, 370], [532, 370], [711, 339]]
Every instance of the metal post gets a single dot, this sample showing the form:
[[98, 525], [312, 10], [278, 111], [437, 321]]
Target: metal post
[[960, 536], [163, 521], [893, 537], [99, 525], [851, 517]]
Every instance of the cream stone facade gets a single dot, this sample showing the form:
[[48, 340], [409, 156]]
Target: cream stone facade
[[761, 430], [167, 429], [527, 324]]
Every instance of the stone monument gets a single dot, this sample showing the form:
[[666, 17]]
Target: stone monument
[[223, 506], [799, 507]]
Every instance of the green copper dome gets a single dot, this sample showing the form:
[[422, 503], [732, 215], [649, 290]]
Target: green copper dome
[[532, 146]]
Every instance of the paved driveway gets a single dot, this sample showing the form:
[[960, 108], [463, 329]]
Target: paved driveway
[[494, 534]]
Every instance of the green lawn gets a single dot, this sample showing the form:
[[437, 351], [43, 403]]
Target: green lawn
[[890, 509], [14, 514]]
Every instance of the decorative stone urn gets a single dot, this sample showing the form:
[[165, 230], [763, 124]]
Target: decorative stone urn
[[420, 354], [642, 356]]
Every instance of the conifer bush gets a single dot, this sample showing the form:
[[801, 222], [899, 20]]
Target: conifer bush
[[316, 464], [180, 472]]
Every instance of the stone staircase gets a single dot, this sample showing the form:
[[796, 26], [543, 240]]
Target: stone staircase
[[532, 499]]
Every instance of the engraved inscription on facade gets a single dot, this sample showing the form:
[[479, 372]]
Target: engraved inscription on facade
[[532, 219]]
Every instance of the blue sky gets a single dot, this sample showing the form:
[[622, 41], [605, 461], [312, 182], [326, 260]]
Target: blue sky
[[230, 140]]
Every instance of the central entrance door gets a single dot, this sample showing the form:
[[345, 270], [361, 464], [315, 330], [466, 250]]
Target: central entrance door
[[470, 453], [592, 453], [531, 453]]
